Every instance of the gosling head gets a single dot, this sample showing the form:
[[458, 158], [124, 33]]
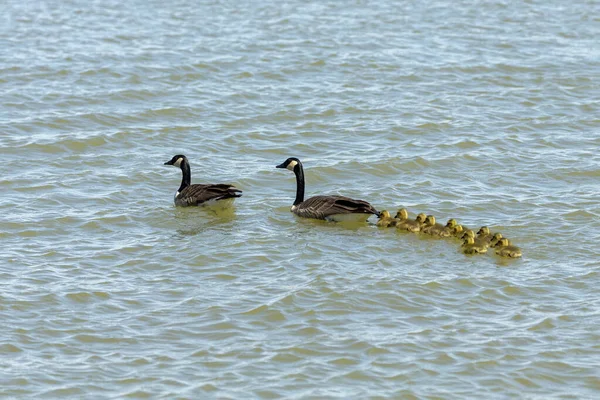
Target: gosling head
[[503, 242], [421, 218], [497, 236], [290, 163], [402, 214], [384, 214], [458, 230], [468, 233], [430, 220], [177, 160], [451, 223], [484, 230], [468, 240]]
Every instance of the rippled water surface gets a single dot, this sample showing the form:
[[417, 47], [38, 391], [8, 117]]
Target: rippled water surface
[[486, 111]]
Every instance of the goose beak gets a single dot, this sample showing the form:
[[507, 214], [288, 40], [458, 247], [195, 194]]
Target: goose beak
[[169, 163], [280, 166]]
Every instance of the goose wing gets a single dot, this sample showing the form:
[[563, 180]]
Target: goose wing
[[321, 207], [197, 194]]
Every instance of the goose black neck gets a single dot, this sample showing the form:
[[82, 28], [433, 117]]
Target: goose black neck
[[299, 172], [187, 175]]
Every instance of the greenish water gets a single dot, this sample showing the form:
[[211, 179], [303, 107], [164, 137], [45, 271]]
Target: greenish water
[[483, 111]]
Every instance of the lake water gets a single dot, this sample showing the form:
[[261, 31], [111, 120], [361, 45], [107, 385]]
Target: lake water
[[485, 111]]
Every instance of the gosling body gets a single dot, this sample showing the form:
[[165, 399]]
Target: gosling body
[[469, 246], [505, 249], [405, 224], [385, 219]]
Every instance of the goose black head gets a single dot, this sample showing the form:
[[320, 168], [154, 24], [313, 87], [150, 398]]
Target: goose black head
[[290, 163], [176, 160]]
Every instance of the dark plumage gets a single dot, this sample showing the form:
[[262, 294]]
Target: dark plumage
[[200, 194], [334, 208]]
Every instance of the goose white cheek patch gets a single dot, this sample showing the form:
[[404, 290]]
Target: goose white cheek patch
[[291, 165], [178, 162]]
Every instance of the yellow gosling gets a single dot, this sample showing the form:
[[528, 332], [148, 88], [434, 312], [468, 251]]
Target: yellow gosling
[[470, 247], [458, 231], [470, 234], [505, 249], [384, 219], [421, 217], [484, 233], [405, 224], [434, 229], [495, 238]]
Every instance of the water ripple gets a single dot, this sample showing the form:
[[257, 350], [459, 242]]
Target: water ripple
[[486, 114]]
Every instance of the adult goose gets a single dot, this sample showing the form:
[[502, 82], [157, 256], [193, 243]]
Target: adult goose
[[200, 194], [331, 208]]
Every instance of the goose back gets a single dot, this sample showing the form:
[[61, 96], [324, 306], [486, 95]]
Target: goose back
[[205, 194], [334, 208]]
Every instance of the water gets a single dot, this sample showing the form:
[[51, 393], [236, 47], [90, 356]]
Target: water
[[484, 111]]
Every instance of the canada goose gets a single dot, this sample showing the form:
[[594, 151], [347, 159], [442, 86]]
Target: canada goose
[[331, 208], [199, 194], [469, 246], [405, 224], [505, 249], [434, 229], [385, 219]]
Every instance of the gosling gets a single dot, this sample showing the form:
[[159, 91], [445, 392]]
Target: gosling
[[405, 224], [469, 246], [505, 249], [434, 229], [385, 219]]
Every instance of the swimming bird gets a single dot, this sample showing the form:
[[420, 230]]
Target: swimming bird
[[484, 233], [385, 219], [485, 236], [505, 249], [434, 229], [495, 238], [458, 231], [452, 228], [331, 208], [405, 224], [470, 234], [200, 194], [421, 218], [469, 246]]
